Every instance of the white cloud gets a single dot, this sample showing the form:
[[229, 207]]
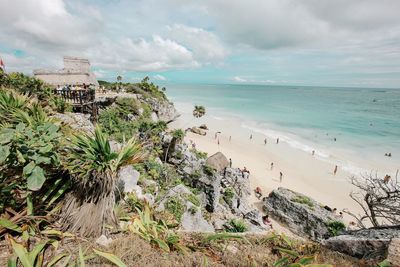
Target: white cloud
[[159, 77], [238, 79], [206, 46]]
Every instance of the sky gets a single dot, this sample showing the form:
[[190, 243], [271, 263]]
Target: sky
[[274, 42]]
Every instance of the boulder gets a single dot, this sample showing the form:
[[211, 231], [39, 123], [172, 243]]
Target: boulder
[[218, 161], [195, 222], [301, 214], [103, 241], [77, 121], [203, 127], [197, 131], [129, 176], [366, 243], [394, 252]]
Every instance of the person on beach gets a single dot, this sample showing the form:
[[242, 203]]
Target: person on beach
[[265, 141], [215, 136], [386, 179], [277, 140], [251, 136], [334, 139], [280, 177], [313, 152], [194, 145], [230, 163], [230, 138], [272, 165], [335, 170], [218, 141], [267, 221], [258, 192]]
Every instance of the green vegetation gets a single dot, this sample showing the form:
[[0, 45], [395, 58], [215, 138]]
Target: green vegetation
[[228, 195], [176, 207], [303, 200], [93, 167], [199, 154], [335, 227], [236, 226], [193, 199], [208, 170]]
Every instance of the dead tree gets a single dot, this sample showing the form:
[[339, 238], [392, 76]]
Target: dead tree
[[379, 198]]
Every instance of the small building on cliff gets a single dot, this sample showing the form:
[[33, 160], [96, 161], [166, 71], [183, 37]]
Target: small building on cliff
[[76, 71]]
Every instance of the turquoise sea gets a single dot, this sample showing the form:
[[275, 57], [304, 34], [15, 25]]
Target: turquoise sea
[[364, 121]]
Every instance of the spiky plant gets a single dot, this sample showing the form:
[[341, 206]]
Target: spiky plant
[[11, 102], [199, 111], [93, 167]]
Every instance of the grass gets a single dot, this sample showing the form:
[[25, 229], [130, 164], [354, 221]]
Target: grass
[[193, 199], [335, 227], [228, 195]]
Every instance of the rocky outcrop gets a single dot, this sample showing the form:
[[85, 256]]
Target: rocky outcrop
[[129, 177], [203, 127], [194, 221], [218, 161], [366, 243], [394, 252], [77, 121], [197, 131], [164, 110], [301, 214]]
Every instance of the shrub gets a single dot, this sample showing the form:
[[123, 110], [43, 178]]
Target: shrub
[[175, 206], [29, 156], [199, 154], [236, 226], [303, 200], [208, 170], [335, 227], [228, 195], [179, 134]]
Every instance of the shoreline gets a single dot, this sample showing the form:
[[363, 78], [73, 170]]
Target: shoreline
[[302, 172]]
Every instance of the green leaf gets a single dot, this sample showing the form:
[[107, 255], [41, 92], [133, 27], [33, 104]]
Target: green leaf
[[162, 244], [36, 251], [281, 262], [28, 168], [12, 261], [81, 257], [46, 148], [111, 257], [29, 204], [56, 259], [21, 253], [20, 157], [59, 193], [289, 252], [306, 260], [36, 179], [384, 263], [10, 225], [4, 153]]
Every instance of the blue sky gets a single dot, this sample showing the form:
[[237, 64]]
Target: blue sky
[[279, 42]]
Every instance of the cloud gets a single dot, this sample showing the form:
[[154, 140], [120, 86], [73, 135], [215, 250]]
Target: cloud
[[238, 79], [159, 77], [206, 46]]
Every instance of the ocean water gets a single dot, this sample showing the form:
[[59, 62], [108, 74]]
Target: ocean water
[[364, 121]]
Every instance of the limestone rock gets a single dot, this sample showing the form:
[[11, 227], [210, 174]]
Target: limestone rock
[[394, 252], [364, 243], [195, 222], [77, 121], [129, 176], [103, 241], [197, 131], [203, 127], [308, 219], [218, 161]]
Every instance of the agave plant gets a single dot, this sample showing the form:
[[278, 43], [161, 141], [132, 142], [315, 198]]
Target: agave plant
[[199, 111], [93, 167]]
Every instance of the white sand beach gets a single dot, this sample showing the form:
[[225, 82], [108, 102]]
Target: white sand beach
[[302, 171]]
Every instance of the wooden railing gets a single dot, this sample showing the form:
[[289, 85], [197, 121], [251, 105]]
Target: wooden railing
[[77, 96]]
